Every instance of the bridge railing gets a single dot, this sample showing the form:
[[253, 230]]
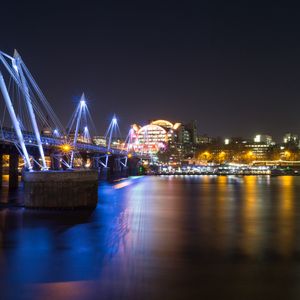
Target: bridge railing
[[9, 136]]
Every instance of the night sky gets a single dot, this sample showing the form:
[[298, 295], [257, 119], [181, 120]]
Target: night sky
[[232, 66]]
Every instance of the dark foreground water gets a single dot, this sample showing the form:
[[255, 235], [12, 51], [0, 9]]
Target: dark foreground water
[[180, 237]]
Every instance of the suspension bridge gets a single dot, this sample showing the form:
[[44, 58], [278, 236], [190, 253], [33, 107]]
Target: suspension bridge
[[27, 112]]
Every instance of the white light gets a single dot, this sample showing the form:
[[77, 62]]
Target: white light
[[257, 138], [114, 120], [15, 65], [82, 103], [85, 128]]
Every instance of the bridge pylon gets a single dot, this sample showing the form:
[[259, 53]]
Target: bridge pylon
[[21, 92], [17, 65]]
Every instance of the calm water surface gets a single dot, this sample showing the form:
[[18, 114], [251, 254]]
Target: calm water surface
[[177, 237]]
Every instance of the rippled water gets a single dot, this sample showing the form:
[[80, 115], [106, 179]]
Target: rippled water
[[177, 237]]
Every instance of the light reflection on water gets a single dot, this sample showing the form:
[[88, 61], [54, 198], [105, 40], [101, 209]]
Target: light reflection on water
[[159, 238]]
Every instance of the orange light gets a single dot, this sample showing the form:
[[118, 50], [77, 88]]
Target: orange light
[[65, 148], [129, 155]]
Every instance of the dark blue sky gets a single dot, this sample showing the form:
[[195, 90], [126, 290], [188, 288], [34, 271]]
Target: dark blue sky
[[232, 66]]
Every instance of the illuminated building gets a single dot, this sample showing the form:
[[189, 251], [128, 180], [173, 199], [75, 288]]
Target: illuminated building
[[99, 141], [258, 150], [263, 138], [192, 130], [115, 142], [165, 124], [82, 138], [177, 140], [46, 131], [261, 146], [155, 136], [187, 134], [151, 138], [226, 141], [118, 143], [291, 138], [204, 139]]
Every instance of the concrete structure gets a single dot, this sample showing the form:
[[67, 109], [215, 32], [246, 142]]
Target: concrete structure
[[61, 189]]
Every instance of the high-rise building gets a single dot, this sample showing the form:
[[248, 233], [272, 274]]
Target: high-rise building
[[192, 129]]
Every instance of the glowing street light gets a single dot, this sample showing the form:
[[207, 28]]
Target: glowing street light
[[287, 154], [55, 132], [66, 148]]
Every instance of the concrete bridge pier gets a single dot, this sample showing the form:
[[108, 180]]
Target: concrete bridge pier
[[117, 168], [133, 164], [61, 189], [101, 170], [1, 169], [111, 168], [36, 166], [124, 171], [84, 157], [55, 163], [13, 170], [63, 166], [112, 171], [104, 173]]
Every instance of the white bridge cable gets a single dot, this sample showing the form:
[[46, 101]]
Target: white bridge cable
[[127, 142], [49, 111], [43, 99], [72, 120], [79, 120], [113, 131], [89, 118], [14, 119], [42, 115], [23, 91]]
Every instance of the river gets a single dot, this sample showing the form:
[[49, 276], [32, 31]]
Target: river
[[160, 237]]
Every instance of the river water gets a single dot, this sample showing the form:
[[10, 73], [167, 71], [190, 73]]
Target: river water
[[167, 237]]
